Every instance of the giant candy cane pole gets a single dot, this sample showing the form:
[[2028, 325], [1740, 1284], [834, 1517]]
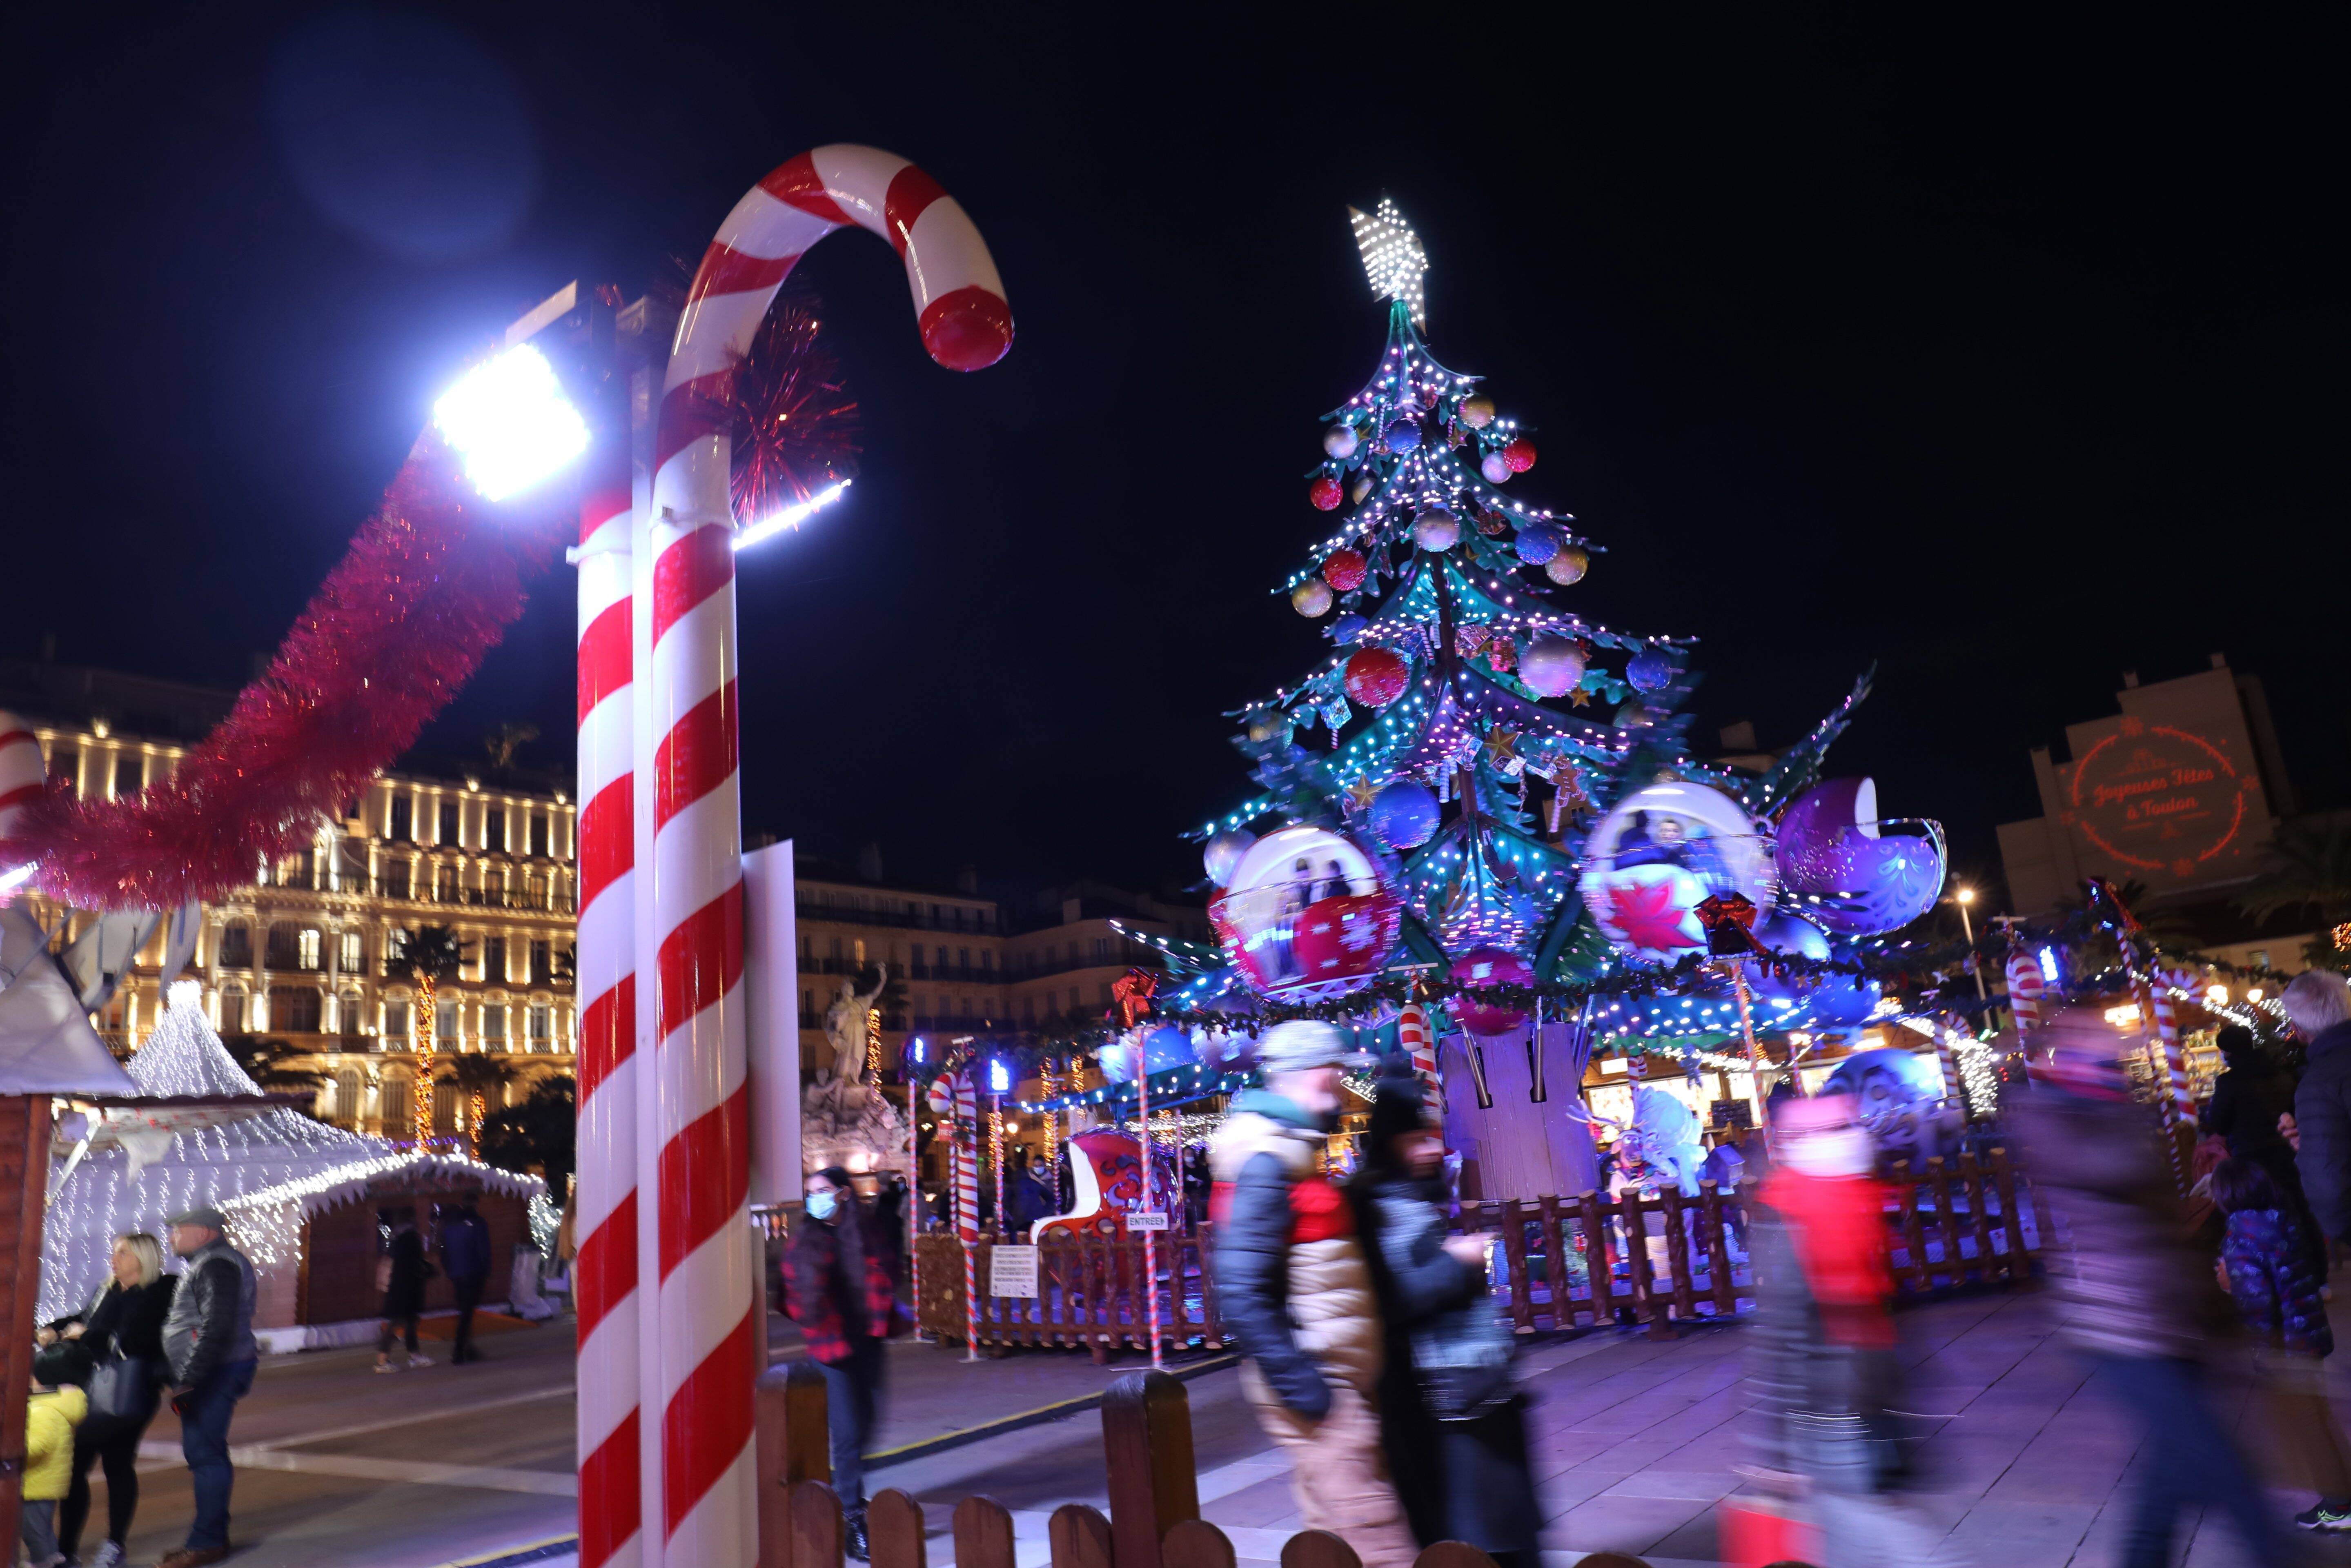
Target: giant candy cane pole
[[705, 1312], [605, 1211]]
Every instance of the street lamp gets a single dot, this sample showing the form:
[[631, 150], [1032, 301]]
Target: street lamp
[[510, 422], [1964, 896]]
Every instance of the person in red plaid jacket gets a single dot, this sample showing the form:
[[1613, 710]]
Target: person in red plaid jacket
[[841, 1285]]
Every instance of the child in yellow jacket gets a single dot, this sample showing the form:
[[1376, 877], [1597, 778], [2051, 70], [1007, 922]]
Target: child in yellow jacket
[[56, 1407]]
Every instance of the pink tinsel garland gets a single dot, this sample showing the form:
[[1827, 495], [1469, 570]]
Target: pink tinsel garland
[[430, 584]]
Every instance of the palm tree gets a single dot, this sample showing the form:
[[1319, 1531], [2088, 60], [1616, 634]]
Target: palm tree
[[276, 1066], [2310, 869], [475, 1075], [539, 1133], [426, 954], [503, 742]]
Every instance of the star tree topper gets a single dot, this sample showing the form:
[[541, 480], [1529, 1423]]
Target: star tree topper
[[1392, 259]]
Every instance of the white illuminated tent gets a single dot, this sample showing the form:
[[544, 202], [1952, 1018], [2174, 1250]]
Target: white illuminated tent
[[272, 1170]]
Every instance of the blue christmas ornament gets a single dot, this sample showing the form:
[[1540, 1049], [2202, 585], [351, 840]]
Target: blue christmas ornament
[[1403, 815], [1347, 628], [1167, 1047], [1538, 542], [1648, 670], [1403, 436], [1843, 1001]]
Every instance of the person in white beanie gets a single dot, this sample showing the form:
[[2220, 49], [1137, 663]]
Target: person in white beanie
[[1295, 1292]]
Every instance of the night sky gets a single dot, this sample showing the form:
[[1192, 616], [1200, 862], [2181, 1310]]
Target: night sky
[[2003, 351]]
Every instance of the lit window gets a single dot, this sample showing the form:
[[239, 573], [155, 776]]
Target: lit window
[[306, 949]]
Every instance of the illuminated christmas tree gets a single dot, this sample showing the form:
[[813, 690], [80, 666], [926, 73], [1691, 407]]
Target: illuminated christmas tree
[[1433, 783]]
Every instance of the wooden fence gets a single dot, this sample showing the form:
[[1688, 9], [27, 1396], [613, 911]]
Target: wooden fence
[[1154, 1489], [1658, 1261]]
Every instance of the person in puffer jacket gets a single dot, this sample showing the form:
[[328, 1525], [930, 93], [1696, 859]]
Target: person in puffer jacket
[[1295, 1293], [2273, 1275]]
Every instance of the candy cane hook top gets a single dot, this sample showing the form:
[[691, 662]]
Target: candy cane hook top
[[959, 304], [705, 1316]]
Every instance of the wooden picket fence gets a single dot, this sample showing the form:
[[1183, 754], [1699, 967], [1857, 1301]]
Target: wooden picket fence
[[1153, 1485], [1658, 1261]]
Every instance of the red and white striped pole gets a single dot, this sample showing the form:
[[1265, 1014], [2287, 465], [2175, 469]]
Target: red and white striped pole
[[967, 1125], [1150, 1237], [2024, 988], [706, 1315], [604, 1272], [1418, 1043], [2167, 1031]]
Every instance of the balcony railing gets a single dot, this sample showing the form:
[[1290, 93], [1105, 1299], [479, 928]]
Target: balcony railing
[[975, 924]]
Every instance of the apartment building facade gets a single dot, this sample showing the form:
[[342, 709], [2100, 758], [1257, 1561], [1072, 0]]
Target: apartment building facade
[[301, 955]]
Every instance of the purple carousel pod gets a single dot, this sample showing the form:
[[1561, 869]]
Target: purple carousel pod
[[1838, 870]]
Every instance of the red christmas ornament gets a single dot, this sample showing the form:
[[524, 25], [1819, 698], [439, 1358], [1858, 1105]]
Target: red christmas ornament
[[1343, 570], [1520, 455], [1324, 493], [1376, 676], [1493, 525]]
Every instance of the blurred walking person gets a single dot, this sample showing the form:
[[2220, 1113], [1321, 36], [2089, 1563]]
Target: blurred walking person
[[1823, 1355], [401, 1275], [1295, 1292], [2132, 1297], [465, 1258], [1452, 1418], [2273, 1276], [841, 1285]]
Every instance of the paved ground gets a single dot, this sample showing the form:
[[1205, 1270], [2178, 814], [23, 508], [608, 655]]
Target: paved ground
[[1636, 1439]]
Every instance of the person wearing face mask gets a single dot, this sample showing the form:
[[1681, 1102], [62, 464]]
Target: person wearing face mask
[[1823, 1346], [1451, 1416], [1295, 1292], [841, 1285]]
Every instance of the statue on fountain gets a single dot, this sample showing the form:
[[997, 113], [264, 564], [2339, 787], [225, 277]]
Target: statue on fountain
[[845, 1119]]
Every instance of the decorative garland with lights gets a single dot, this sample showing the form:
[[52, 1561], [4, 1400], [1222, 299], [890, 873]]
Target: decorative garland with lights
[[430, 584]]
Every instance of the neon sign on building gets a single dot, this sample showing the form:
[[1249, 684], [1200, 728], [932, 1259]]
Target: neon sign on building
[[2159, 799]]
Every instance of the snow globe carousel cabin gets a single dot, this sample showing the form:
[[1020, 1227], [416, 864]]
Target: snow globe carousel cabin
[[1307, 916]]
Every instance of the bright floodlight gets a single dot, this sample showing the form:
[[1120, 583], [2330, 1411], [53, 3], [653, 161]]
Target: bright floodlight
[[510, 422], [11, 879], [790, 517]]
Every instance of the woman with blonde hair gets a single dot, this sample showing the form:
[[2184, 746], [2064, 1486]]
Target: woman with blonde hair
[[122, 1327]]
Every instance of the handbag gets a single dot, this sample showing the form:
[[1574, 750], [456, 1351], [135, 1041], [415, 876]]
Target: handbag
[[123, 1389], [1462, 1359]]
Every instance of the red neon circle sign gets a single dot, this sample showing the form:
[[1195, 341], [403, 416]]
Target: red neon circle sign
[[2164, 800]]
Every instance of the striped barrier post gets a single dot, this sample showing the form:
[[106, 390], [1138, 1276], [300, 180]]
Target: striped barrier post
[[1416, 1040], [966, 1122], [706, 1315], [2024, 988]]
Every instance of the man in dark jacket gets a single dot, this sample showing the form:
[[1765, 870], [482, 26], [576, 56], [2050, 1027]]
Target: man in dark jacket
[[841, 1285], [465, 1258], [2317, 1003], [209, 1344], [2247, 1100], [1295, 1292]]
